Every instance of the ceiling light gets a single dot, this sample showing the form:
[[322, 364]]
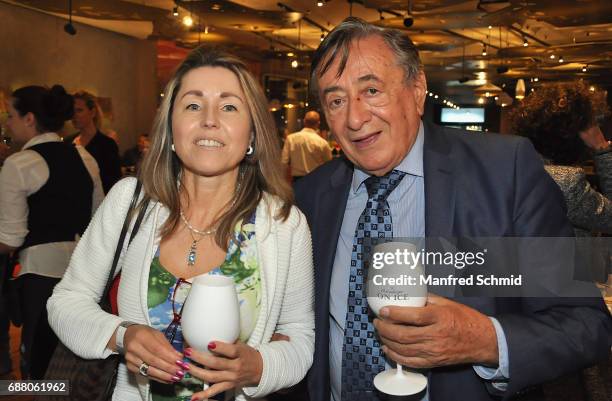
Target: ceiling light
[[435, 96], [480, 100], [536, 79], [519, 92], [187, 20], [320, 4], [430, 94], [584, 68], [294, 64], [525, 43], [175, 11], [490, 26], [484, 49], [552, 56], [592, 89], [560, 59]]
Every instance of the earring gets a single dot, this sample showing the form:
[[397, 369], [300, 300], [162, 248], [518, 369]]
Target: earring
[[173, 148], [250, 150]]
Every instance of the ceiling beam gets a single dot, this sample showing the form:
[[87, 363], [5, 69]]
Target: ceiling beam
[[310, 21], [525, 34], [468, 38]]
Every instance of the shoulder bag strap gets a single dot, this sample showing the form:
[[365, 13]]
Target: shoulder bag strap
[[126, 224]]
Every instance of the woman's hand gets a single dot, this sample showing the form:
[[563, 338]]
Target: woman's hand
[[226, 367], [594, 138], [145, 344]]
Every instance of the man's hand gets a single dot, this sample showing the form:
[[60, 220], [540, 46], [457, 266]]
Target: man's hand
[[441, 333]]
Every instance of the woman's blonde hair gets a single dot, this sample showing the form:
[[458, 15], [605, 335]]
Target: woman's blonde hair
[[92, 104], [260, 172]]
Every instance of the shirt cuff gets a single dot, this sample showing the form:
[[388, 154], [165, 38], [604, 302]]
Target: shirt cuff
[[500, 375]]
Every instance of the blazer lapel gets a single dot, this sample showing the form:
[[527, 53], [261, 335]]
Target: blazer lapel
[[439, 184], [439, 197], [329, 215]]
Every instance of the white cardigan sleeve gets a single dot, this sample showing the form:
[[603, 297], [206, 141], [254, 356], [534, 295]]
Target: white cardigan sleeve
[[285, 363], [74, 313]]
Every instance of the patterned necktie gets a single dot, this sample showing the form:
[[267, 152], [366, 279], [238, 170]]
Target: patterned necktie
[[362, 358]]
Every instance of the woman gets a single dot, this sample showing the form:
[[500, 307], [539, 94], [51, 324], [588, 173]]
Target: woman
[[561, 122], [48, 193], [219, 205], [87, 119]]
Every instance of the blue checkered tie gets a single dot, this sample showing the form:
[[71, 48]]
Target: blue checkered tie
[[362, 358]]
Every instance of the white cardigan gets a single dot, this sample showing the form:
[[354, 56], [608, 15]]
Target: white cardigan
[[285, 258]]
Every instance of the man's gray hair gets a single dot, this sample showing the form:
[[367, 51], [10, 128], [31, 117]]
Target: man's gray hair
[[339, 41]]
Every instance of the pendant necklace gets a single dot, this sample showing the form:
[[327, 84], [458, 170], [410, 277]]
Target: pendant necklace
[[191, 255]]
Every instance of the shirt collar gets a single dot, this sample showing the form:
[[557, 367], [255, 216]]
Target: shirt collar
[[306, 129], [411, 164], [42, 138]]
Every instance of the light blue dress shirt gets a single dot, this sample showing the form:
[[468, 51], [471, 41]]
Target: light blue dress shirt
[[407, 204]]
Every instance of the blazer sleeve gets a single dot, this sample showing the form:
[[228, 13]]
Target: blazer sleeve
[[549, 337], [285, 363], [74, 313], [588, 208]]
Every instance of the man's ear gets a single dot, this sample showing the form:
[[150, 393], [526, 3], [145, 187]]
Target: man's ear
[[419, 84], [30, 120]]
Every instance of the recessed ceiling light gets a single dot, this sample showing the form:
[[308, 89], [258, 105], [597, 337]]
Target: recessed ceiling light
[[187, 20], [552, 56], [175, 11]]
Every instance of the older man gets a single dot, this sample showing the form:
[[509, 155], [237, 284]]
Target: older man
[[305, 150], [427, 181]]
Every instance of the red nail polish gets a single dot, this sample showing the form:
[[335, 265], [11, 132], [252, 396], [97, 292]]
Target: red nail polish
[[176, 379], [180, 373], [179, 363], [187, 352], [212, 345], [185, 366]]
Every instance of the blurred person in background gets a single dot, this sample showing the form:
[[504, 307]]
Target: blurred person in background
[[133, 156], [561, 120], [305, 150], [87, 119], [48, 193]]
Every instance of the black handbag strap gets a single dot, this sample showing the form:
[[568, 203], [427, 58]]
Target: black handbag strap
[[124, 229]]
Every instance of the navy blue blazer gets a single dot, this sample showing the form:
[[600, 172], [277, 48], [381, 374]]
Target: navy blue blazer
[[475, 185]]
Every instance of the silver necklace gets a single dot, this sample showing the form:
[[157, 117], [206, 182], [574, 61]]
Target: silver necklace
[[192, 254]]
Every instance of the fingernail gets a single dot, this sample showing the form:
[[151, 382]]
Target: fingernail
[[187, 352], [212, 345], [384, 312], [185, 366], [195, 399], [176, 379], [179, 363], [180, 373]]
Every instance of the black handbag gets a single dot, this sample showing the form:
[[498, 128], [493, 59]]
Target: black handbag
[[93, 379]]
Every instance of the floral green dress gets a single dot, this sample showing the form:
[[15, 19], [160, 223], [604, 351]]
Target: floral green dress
[[241, 264]]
